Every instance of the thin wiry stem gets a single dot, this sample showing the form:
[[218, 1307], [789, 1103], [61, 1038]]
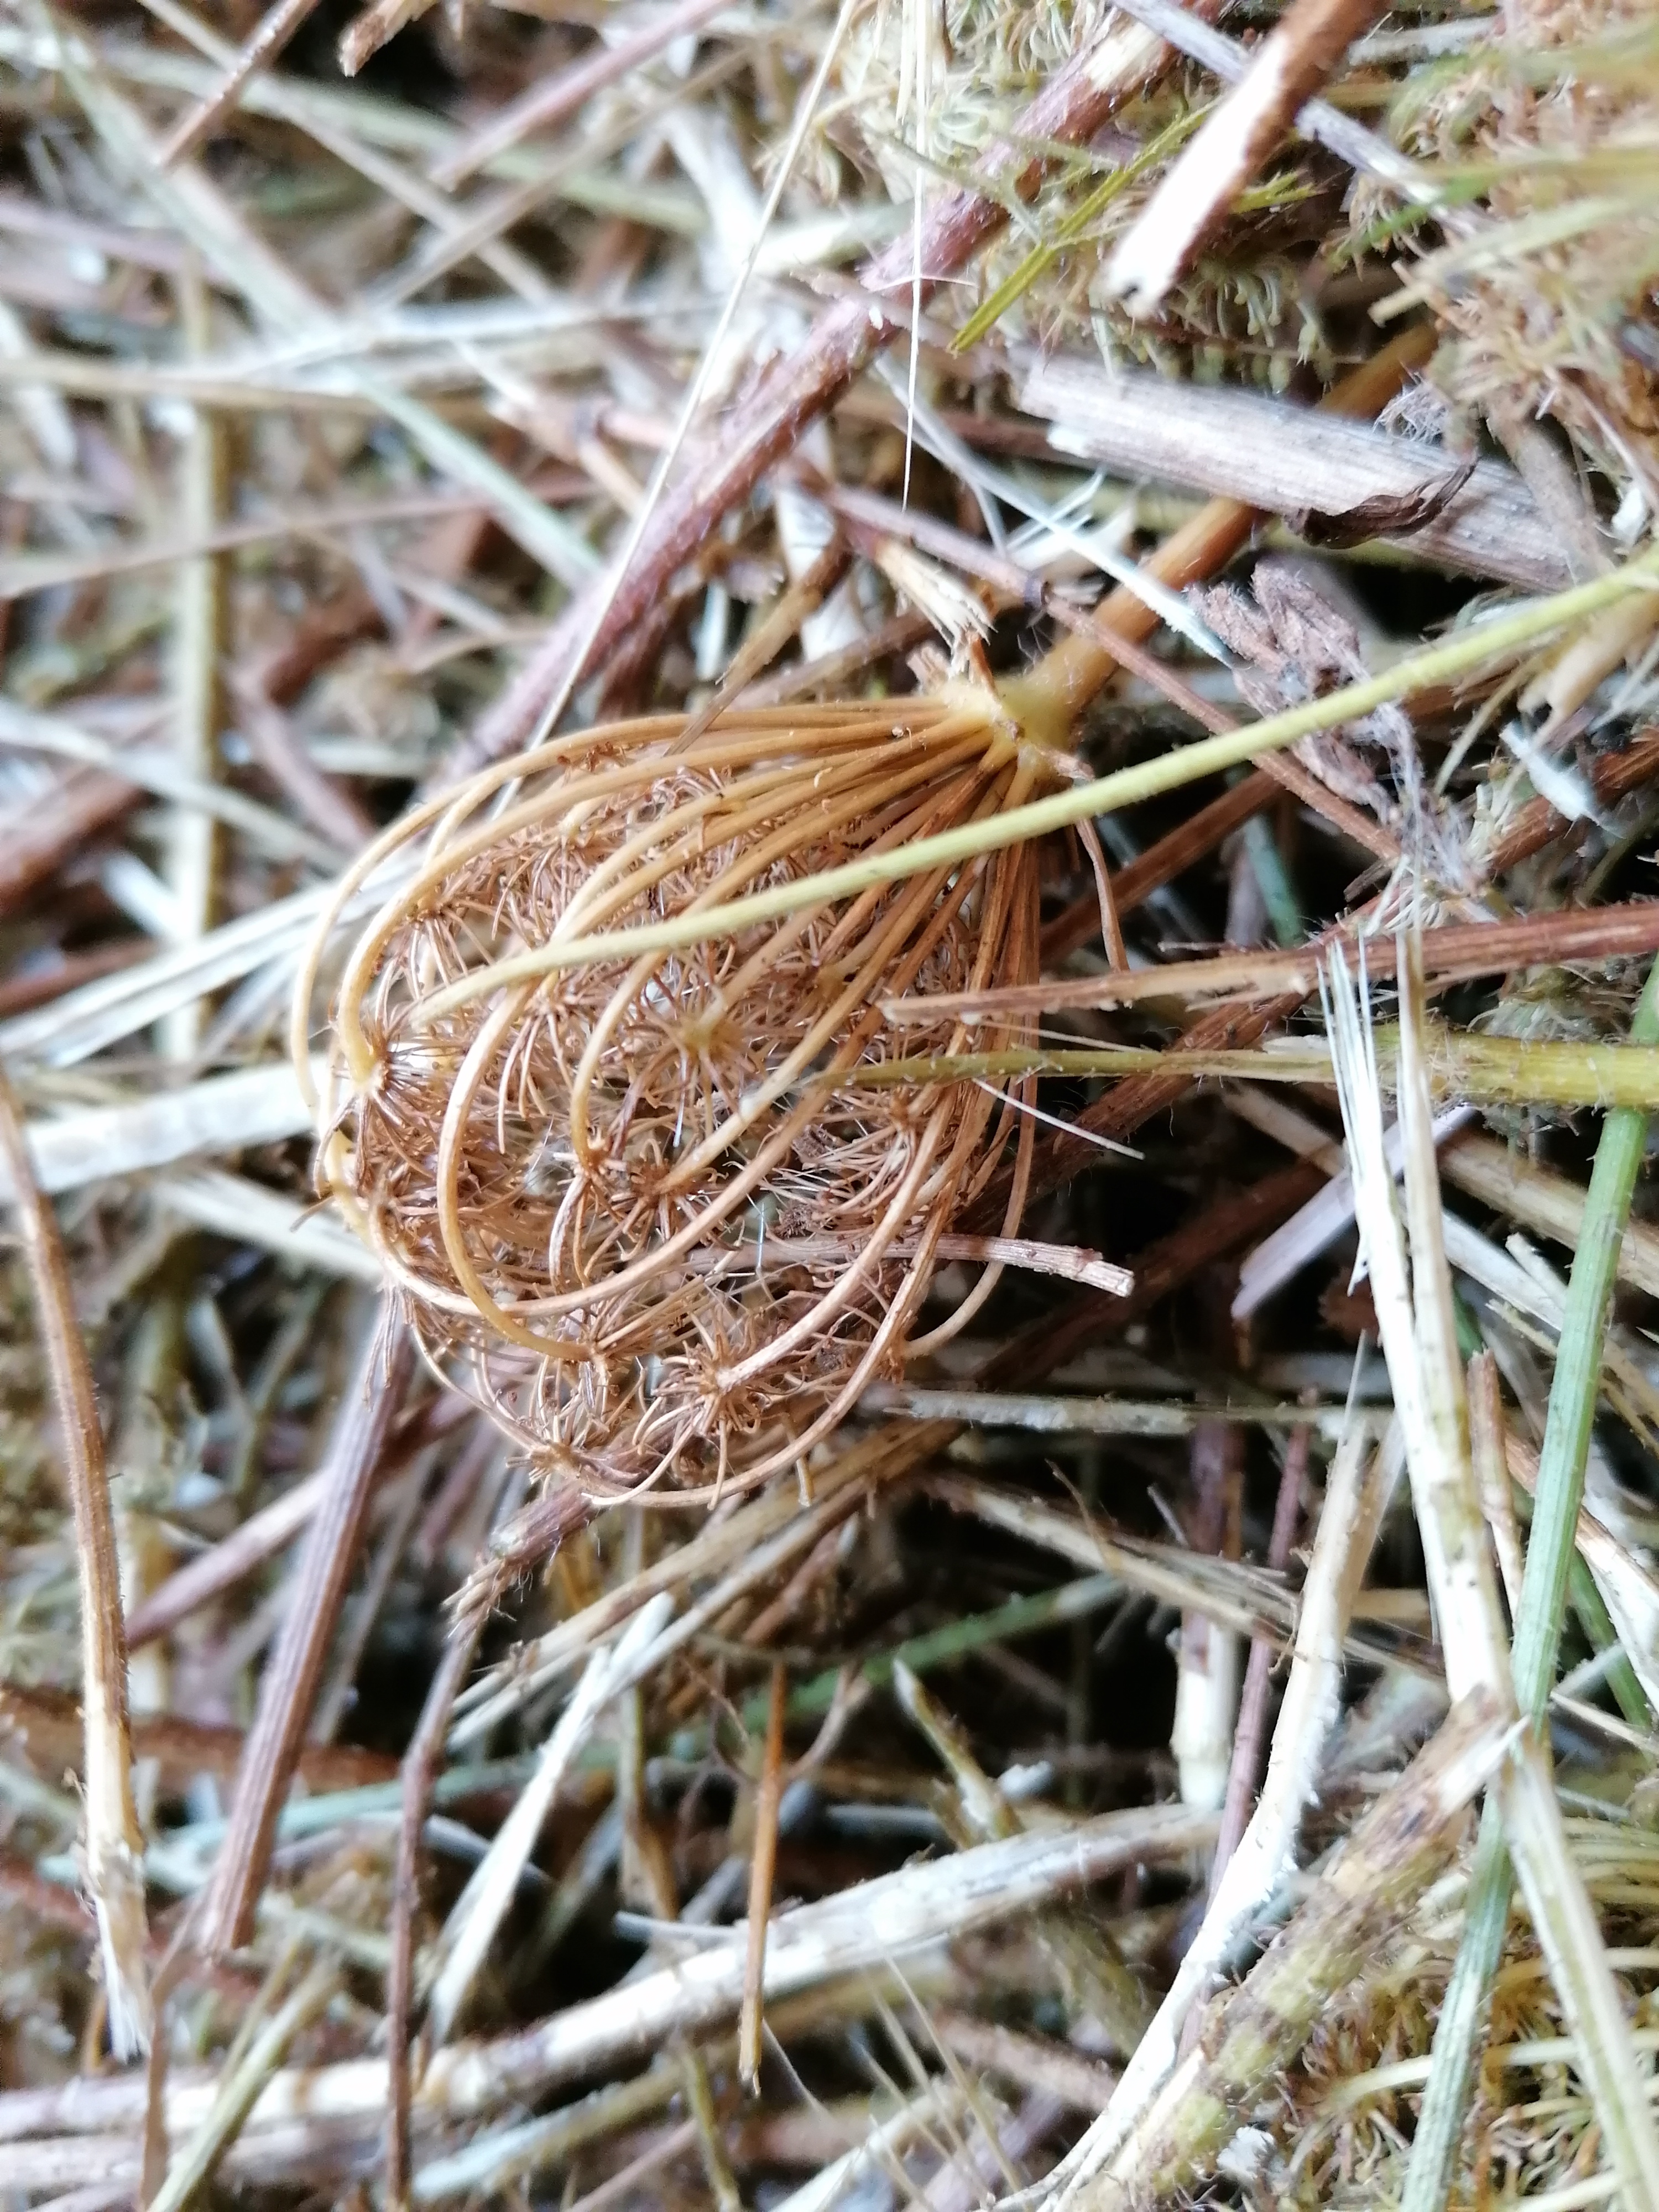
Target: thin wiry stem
[[288, 1688], [240, 2091], [1251, 1728], [769, 1796], [114, 1841], [420, 1763], [274, 28], [1482, 645], [1453, 952]]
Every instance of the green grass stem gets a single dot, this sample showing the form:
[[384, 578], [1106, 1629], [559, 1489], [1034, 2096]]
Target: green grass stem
[[1550, 1552], [1481, 645]]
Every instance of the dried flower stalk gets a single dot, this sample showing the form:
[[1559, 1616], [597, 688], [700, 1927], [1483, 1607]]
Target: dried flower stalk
[[289, 1687], [114, 1841], [1042, 705]]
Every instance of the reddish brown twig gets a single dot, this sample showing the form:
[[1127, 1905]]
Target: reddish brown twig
[[43, 1727], [20, 994], [316, 797], [1189, 842], [272, 33], [114, 1841], [1250, 1736], [373, 1400], [420, 1765], [1138, 1097], [768, 1797], [555, 98], [1133, 1101], [65, 819], [1453, 952], [1486, 1454]]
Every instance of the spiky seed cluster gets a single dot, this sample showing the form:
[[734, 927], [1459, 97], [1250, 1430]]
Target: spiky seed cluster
[[635, 1186]]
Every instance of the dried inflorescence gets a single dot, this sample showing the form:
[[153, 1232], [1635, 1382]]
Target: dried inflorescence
[[628, 1181]]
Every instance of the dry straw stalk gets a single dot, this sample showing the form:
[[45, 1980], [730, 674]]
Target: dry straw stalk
[[114, 1844]]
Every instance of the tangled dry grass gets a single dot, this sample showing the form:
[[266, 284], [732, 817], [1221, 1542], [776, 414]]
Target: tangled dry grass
[[1548, 304], [482, 488]]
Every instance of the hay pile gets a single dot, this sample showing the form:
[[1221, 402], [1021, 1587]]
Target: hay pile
[[769, 761]]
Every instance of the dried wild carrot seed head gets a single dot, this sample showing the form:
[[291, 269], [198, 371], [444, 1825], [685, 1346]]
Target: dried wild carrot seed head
[[632, 1188]]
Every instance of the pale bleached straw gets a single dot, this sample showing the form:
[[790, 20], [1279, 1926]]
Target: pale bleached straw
[[1355, 1497], [1414, 1312], [479, 1912]]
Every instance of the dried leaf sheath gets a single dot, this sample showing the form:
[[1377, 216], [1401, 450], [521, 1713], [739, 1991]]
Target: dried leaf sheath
[[576, 1178]]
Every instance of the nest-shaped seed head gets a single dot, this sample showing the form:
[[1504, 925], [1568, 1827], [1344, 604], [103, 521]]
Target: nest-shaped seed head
[[638, 1188]]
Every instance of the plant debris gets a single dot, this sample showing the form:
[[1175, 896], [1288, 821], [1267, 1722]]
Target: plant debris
[[828, 955]]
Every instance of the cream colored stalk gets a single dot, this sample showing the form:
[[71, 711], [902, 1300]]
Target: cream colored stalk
[[1206, 1700], [1356, 1497], [482, 1903], [1414, 1313]]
